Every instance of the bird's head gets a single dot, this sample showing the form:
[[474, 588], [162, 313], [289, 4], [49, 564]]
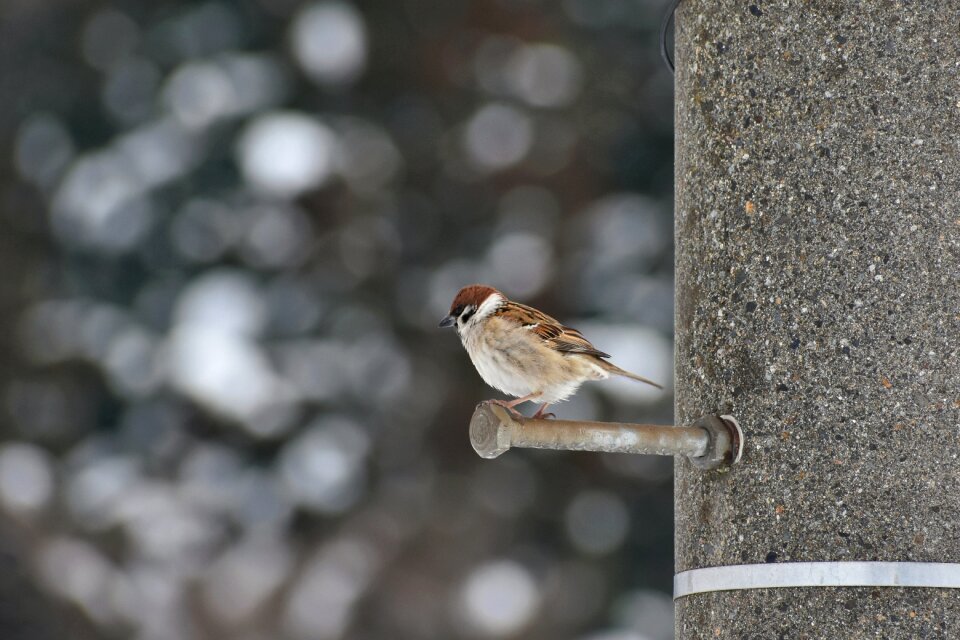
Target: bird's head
[[471, 305]]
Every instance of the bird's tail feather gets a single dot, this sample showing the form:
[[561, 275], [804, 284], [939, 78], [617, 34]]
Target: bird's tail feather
[[614, 369]]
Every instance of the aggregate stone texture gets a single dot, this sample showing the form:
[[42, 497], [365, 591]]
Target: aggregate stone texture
[[818, 301]]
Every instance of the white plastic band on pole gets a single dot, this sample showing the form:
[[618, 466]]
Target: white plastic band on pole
[[943, 575]]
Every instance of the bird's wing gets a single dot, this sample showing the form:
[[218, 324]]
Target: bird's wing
[[554, 335]]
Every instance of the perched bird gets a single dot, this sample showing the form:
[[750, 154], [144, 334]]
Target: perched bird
[[524, 352]]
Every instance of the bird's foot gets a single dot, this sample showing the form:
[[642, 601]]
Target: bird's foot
[[508, 405], [541, 413]]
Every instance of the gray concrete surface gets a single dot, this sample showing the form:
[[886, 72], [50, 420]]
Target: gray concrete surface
[[818, 301]]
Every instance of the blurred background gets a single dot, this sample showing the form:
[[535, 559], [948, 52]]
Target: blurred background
[[227, 233]]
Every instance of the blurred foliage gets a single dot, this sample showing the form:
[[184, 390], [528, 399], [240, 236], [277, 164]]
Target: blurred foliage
[[228, 232]]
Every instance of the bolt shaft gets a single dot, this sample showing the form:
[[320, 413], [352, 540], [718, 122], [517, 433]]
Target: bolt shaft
[[494, 430]]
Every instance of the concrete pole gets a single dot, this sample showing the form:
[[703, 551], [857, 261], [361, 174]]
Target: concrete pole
[[818, 300]]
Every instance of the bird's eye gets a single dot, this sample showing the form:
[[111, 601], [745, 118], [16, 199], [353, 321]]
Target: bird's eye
[[468, 314]]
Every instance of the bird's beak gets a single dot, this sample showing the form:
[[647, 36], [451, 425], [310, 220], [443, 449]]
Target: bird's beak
[[448, 321]]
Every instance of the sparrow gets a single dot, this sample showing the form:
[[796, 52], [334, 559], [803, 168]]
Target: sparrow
[[524, 352]]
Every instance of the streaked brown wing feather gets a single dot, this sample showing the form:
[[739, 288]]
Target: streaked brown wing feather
[[554, 335], [569, 340]]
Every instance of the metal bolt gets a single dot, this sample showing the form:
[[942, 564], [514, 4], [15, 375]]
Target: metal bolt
[[710, 443]]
